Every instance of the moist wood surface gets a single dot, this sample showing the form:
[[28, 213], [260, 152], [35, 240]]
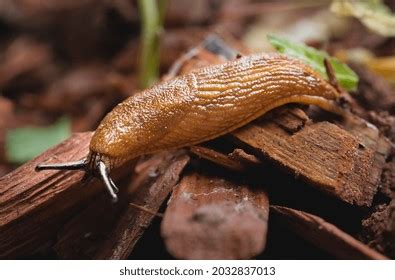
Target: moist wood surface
[[343, 162], [213, 218], [32, 204]]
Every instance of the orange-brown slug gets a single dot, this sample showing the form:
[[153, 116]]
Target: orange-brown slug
[[199, 106]]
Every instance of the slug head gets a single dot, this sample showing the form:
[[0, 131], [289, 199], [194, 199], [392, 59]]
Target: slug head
[[93, 165]]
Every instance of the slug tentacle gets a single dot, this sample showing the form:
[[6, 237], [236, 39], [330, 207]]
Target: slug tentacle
[[92, 165], [75, 165], [200, 106], [111, 188]]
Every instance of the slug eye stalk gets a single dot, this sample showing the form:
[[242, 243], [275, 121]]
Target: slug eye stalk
[[98, 168]]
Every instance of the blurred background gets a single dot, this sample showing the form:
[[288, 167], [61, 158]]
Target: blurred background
[[65, 63]]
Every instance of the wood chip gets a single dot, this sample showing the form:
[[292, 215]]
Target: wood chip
[[238, 160], [212, 218], [245, 158], [323, 234], [343, 163], [152, 188], [33, 203]]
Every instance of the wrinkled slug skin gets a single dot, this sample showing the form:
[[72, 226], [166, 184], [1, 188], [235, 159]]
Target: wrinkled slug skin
[[205, 104]]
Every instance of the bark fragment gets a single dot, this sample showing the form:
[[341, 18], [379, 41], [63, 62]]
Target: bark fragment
[[323, 234], [213, 218], [343, 162], [152, 188], [32, 204]]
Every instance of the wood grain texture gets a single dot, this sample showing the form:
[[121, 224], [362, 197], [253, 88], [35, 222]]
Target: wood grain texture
[[86, 235], [324, 235], [152, 189], [343, 160], [32, 204], [213, 218]]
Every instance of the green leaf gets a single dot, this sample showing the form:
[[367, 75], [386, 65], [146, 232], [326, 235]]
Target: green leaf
[[25, 143], [372, 13], [315, 58]]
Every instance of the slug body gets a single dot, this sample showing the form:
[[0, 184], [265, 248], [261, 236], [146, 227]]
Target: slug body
[[203, 105]]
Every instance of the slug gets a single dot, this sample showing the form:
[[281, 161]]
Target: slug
[[199, 106]]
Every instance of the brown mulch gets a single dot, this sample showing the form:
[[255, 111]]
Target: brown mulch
[[296, 183]]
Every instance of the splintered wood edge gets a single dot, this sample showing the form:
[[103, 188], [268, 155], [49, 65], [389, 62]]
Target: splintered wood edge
[[25, 190], [238, 160], [217, 157], [32, 204], [324, 235], [272, 141]]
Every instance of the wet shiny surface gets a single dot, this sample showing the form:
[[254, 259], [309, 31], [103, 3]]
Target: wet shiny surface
[[205, 104]]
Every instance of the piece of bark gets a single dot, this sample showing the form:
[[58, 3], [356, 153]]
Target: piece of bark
[[7, 115], [291, 120], [346, 164], [238, 160], [323, 234], [217, 157], [245, 158], [33, 203], [213, 218], [151, 191], [83, 236]]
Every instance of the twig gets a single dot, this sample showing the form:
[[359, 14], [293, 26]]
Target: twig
[[145, 209]]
